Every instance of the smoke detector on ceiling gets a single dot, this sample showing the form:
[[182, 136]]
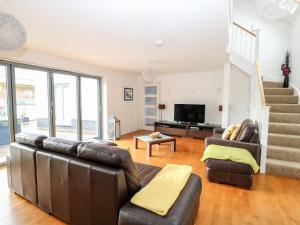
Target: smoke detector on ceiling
[[159, 43]]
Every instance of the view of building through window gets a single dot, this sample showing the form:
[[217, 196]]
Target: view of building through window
[[90, 110], [32, 101], [4, 128], [65, 106]]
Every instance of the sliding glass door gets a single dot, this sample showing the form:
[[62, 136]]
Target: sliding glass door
[[31, 90], [65, 94], [90, 107], [47, 101], [4, 120]]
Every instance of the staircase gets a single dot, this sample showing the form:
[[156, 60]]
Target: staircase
[[283, 155]]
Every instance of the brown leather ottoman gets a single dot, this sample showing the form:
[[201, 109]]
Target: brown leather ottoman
[[229, 172]]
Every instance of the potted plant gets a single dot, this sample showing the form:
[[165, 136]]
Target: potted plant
[[286, 70]]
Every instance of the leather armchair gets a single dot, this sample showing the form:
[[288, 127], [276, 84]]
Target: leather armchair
[[229, 172]]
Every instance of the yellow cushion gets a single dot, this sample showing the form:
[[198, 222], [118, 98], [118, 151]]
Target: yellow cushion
[[235, 132], [228, 131]]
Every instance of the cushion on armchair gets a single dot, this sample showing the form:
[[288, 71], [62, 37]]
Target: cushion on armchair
[[245, 124], [235, 132], [228, 131]]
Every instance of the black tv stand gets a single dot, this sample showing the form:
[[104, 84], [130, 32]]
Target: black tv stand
[[185, 129]]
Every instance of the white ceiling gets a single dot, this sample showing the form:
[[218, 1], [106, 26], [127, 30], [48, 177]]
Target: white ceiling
[[121, 34]]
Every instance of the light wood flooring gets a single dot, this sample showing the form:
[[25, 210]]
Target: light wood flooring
[[272, 201]]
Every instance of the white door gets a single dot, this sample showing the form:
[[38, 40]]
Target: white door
[[151, 98]]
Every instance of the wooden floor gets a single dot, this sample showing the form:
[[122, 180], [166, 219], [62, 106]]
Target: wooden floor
[[273, 200]]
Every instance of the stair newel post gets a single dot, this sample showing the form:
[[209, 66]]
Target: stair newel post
[[264, 137]]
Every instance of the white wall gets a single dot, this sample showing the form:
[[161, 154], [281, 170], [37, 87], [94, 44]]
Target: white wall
[[239, 100], [192, 88], [274, 38], [126, 111], [113, 84], [295, 76]]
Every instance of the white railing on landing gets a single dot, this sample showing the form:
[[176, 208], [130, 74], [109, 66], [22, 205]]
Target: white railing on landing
[[245, 43], [245, 54]]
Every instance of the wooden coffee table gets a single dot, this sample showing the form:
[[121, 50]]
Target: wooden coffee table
[[150, 142]]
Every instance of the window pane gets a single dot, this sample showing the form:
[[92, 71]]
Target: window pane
[[89, 102], [149, 121], [151, 90], [150, 111], [151, 101], [32, 101], [65, 106], [4, 128]]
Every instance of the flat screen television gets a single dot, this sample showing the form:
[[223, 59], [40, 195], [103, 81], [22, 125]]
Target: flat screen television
[[189, 113]]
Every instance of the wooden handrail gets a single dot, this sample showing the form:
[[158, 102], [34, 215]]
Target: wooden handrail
[[244, 29], [261, 85]]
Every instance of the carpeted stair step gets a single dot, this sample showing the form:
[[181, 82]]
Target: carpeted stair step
[[284, 99], [272, 84], [284, 128], [286, 140], [283, 153], [284, 118], [279, 91], [283, 168], [285, 108]]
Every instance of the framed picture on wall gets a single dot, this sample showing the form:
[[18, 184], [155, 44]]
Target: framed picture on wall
[[128, 94]]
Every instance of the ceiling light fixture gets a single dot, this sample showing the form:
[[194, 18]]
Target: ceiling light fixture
[[276, 9], [12, 32], [148, 73], [159, 43]]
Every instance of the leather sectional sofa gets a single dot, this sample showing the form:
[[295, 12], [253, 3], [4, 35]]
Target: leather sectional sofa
[[229, 172], [90, 183]]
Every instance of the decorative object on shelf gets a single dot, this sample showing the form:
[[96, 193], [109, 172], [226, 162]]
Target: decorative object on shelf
[[286, 70], [155, 135], [12, 32], [161, 107], [276, 9], [128, 94], [114, 128]]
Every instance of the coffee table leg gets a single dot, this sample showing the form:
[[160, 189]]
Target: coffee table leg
[[173, 145], [149, 150], [136, 143]]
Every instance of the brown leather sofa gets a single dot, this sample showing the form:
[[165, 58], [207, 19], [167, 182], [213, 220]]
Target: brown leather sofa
[[90, 183], [229, 172]]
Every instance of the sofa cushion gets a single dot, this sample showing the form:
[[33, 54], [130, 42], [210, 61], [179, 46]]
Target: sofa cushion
[[244, 124], [235, 132], [146, 172], [229, 166], [228, 131], [59, 145], [35, 140], [100, 141], [255, 137], [112, 156], [247, 133]]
